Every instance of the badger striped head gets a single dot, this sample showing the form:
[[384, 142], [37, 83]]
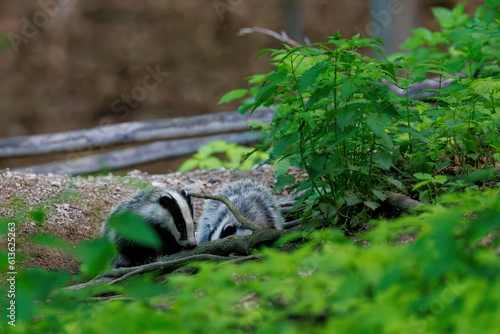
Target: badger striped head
[[229, 226], [171, 213]]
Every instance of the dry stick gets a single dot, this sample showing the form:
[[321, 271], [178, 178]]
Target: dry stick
[[283, 37], [401, 201], [242, 220], [168, 265], [120, 274]]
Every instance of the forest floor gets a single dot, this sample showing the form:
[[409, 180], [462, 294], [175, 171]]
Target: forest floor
[[74, 208]]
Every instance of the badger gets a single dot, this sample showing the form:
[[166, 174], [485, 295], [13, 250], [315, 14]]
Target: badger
[[170, 212], [254, 201]]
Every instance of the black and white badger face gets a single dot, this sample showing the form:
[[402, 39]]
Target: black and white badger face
[[254, 201], [168, 211]]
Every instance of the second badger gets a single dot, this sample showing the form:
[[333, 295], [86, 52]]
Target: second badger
[[254, 201], [168, 211]]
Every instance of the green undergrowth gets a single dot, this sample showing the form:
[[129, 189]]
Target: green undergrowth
[[447, 281]]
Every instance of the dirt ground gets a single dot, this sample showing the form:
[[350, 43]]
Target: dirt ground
[[75, 207]]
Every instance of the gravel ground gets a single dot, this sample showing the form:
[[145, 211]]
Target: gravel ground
[[73, 208]]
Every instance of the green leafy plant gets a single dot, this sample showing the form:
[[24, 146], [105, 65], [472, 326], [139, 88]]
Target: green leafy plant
[[219, 153], [338, 122], [332, 120]]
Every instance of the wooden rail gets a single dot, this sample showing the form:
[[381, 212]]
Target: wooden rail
[[178, 130], [135, 155], [130, 132]]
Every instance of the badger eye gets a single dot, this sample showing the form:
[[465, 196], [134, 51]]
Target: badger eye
[[227, 231]]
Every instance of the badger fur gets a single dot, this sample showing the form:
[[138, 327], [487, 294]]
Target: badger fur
[[254, 201], [168, 211]]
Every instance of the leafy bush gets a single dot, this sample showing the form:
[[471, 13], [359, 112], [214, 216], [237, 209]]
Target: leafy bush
[[236, 157], [354, 137]]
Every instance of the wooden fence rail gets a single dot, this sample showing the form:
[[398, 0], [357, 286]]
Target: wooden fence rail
[[135, 155], [78, 144], [130, 132]]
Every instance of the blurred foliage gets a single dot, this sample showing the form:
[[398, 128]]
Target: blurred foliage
[[218, 154], [447, 281]]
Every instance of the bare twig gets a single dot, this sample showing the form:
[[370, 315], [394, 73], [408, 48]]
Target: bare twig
[[242, 220], [283, 37], [167, 266], [292, 223]]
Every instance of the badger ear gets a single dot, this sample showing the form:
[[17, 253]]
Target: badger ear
[[186, 195]]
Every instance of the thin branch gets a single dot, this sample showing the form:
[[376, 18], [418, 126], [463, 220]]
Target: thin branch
[[293, 223], [242, 220], [167, 266], [283, 37]]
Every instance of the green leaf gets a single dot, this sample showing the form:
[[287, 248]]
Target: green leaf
[[395, 182], [352, 198], [318, 95], [261, 52], [422, 176], [444, 16], [420, 184], [380, 195], [281, 166], [371, 205], [233, 95], [318, 163], [188, 165], [377, 123], [309, 76], [38, 215], [53, 242], [96, 256], [383, 160], [349, 85], [268, 89], [133, 227], [283, 180], [284, 143], [327, 210], [211, 163]]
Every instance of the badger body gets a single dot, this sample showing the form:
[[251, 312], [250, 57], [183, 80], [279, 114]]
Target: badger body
[[254, 201], [170, 213]]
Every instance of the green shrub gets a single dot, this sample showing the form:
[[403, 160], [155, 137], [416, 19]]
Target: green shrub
[[354, 137]]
